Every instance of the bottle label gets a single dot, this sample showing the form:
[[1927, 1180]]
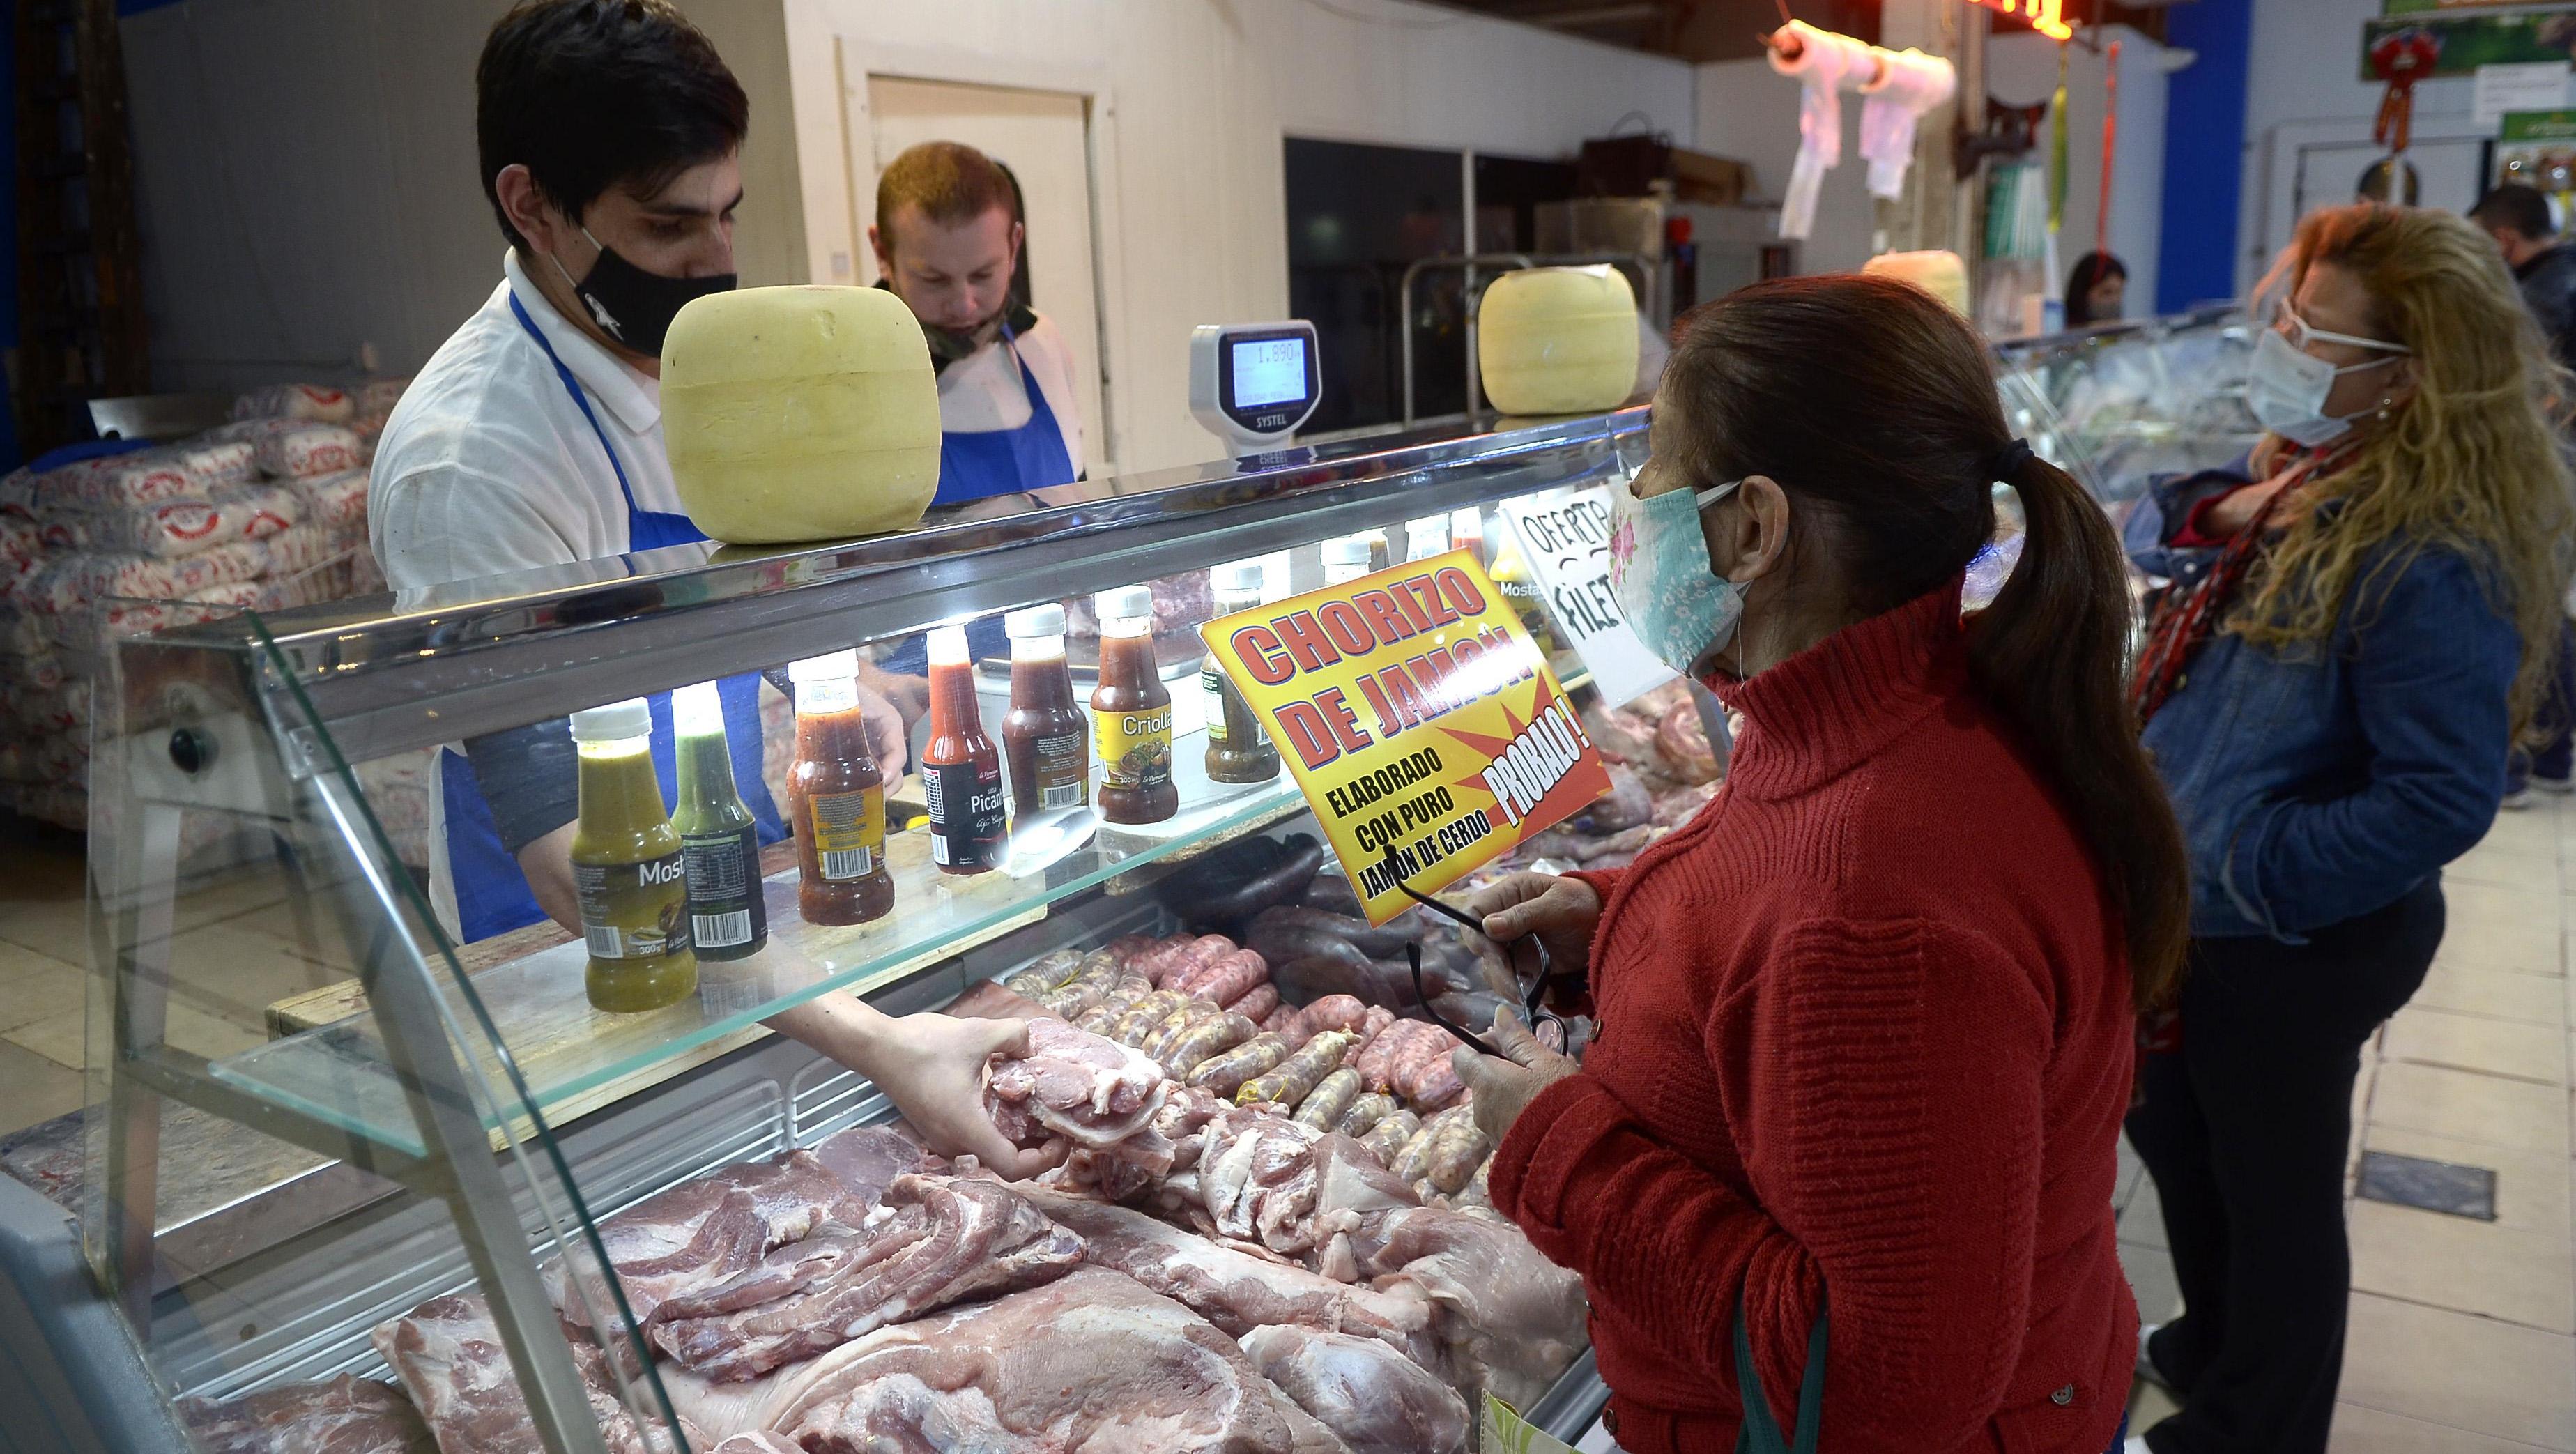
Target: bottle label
[[849, 833], [1218, 689], [1135, 748], [965, 801], [725, 909], [1063, 771], [633, 910]]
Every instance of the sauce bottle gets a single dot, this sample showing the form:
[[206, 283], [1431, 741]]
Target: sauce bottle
[[1043, 734], [961, 774], [1238, 751], [626, 868], [1346, 559], [1467, 531], [837, 796], [1424, 539], [719, 844], [1132, 711]]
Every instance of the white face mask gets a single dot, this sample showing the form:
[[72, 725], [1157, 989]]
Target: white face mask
[[2286, 386]]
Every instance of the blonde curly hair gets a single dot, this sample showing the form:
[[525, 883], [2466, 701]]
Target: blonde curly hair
[[2472, 462]]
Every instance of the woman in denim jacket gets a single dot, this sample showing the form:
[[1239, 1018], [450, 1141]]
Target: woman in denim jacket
[[2356, 630]]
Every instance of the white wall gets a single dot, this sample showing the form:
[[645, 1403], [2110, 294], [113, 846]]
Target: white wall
[[308, 176], [1749, 111], [2305, 95], [2022, 68]]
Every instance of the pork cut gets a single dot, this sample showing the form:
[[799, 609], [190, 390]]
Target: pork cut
[[934, 1240], [1510, 1319], [1239, 1291], [344, 1415], [1089, 1364], [1086, 1088], [714, 1227], [1376, 1399], [449, 1356]]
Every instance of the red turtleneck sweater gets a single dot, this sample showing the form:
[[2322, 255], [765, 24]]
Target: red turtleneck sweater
[[1865, 1038]]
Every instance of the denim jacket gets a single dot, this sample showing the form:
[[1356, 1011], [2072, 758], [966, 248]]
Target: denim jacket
[[2322, 781]]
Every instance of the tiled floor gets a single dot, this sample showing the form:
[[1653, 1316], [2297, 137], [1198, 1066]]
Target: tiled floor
[[2463, 1334]]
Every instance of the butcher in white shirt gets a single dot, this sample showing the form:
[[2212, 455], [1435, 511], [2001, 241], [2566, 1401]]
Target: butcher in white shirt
[[610, 136]]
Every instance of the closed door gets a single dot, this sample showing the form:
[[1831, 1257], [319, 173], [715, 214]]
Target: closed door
[[1044, 138]]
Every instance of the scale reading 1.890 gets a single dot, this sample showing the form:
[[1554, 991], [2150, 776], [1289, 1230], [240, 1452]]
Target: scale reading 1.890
[[1253, 384]]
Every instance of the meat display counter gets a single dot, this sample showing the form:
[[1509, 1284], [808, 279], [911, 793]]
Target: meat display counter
[[2117, 404], [373, 1182]]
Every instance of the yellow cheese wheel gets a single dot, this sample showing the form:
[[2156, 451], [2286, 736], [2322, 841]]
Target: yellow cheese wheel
[[802, 413], [1558, 340], [1939, 273]]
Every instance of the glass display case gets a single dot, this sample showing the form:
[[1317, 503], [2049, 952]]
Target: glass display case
[[329, 1135], [2118, 404]]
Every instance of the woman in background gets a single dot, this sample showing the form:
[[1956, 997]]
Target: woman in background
[[2095, 290], [2361, 618]]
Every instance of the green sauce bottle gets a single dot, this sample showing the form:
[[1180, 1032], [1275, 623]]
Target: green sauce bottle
[[719, 845], [626, 867]]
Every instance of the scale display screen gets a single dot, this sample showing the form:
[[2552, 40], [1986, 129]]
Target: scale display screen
[[1269, 371]]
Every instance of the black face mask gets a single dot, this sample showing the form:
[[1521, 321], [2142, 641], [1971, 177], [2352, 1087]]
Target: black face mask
[[633, 306], [956, 345]]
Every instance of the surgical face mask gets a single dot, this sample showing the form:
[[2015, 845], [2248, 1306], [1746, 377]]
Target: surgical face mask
[[2286, 386], [1659, 574], [633, 306]]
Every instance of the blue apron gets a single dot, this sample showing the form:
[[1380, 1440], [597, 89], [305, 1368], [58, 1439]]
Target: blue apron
[[986, 463], [492, 894]]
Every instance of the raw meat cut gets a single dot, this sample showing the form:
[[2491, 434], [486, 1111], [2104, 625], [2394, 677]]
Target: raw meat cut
[[344, 1415], [759, 1443], [714, 1227], [1089, 1090], [936, 1240], [1239, 1291], [449, 1356], [1512, 1320], [1089, 1364], [1376, 1399]]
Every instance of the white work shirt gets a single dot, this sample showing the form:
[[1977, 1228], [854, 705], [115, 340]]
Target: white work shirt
[[983, 391], [488, 466]]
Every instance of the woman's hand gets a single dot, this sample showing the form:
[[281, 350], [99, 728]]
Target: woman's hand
[[1561, 912], [931, 1066], [1504, 1088], [2237, 509]]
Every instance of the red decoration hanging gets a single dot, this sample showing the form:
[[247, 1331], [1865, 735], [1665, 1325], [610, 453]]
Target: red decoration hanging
[[2401, 58]]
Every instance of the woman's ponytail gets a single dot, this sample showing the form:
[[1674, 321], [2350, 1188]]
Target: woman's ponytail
[[2049, 652]]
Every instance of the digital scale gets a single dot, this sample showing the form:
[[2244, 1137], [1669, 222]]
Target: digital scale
[[1253, 384]]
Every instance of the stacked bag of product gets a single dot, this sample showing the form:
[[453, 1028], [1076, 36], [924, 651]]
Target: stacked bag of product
[[265, 512]]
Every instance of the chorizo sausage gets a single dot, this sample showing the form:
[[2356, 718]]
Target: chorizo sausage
[[1225, 1074], [1332, 1095], [1194, 960], [1390, 1134], [1437, 1087], [1229, 977], [1293, 1077], [1096, 1019], [1413, 1159], [1332, 1012], [1140, 1019], [1414, 1063], [1182, 1017], [1128, 946], [1375, 1058], [1379, 1017], [1203, 1040], [1278, 1018], [1257, 1002], [1154, 963], [1130, 988], [1066, 1001], [1044, 973], [1364, 1112], [1457, 1149]]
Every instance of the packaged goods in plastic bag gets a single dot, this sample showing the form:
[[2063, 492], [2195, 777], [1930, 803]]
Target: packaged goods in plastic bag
[[176, 528], [296, 401], [65, 805], [240, 595], [295, 448], [335, 500], [299, 549], [117, 481], [18, 494], [217, 463], [24, 631], [67, 582], [20, 549]]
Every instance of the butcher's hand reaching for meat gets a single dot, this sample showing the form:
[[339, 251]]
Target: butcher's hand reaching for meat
[[1503, 1088], [931, 1066]]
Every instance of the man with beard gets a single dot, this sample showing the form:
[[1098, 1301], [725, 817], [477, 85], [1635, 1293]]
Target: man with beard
[[947, 238]]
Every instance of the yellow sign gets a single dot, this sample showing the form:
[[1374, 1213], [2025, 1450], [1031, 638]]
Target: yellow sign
[[1418, 717], [1504, 1431]]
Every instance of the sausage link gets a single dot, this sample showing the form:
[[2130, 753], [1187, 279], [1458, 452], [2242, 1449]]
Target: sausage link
[[1130, 988], [1192, 961], [1230, 977], [1278, 1019], [1044, 973], [1176, 1024], [1364, 1112], [1203, 1039], [1096, 1019], [1225, 1074], [1256, 1003], [1390, 1134], [1332, 1012], [1331, 1096], [1068, 1000], [1296, 1075], [1139, 1019], [1456, 1151], [1376, 1061]]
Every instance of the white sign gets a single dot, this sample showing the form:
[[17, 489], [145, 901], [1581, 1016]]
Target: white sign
[[1566, 540], [2523, 86]]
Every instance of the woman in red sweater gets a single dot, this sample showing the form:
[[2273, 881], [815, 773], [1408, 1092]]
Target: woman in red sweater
[[1866, 1021]]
